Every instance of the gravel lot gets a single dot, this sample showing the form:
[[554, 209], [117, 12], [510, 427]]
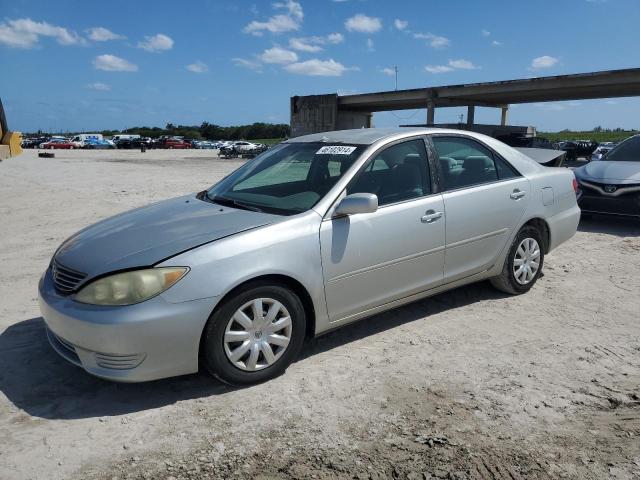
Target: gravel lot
[[468, 384]]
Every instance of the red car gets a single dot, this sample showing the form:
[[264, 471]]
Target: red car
[[58, 143], [173, 143]]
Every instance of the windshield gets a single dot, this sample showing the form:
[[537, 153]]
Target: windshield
[[287, 179], [627, 151]]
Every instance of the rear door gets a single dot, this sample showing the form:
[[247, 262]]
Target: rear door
[[484, 199]]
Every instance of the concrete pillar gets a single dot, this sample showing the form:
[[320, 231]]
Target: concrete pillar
[[431, 113], [505, 115], [471, 111]]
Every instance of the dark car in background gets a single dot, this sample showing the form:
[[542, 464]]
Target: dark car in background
[[130, 143], [611, 185], [578, 148], [34, 142]]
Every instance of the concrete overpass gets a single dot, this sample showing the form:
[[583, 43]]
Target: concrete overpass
[[317, 113]]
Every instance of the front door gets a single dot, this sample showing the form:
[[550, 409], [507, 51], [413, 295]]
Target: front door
[[372, 259]]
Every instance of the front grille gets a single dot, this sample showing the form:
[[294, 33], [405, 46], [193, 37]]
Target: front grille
[[608, 189], [65, 279]]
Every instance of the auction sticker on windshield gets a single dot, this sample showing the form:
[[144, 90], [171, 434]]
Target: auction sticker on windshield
[[335, 150]]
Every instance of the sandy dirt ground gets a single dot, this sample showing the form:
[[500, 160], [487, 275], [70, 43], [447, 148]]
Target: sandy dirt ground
[[467, 384]]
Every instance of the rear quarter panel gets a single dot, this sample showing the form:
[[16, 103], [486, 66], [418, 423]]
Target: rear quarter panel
[[555, 203]]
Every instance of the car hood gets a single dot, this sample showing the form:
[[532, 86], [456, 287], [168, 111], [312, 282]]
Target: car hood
[[608, 171], [147, 235]]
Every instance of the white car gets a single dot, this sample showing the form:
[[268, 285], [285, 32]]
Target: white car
[[245, 147], [316, 233]]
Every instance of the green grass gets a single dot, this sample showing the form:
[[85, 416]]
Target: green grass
[[611, 136]]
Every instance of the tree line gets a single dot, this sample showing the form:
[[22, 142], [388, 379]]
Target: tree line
[[210, 131]]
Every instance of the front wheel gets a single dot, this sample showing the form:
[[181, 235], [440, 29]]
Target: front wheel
[[255, 335], [523, 264]]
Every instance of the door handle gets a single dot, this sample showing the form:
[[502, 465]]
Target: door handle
[[517, 194], [431, 216]]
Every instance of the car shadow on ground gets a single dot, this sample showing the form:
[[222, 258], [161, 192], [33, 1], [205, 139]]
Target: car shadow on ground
[[39, 382], [619, 226]]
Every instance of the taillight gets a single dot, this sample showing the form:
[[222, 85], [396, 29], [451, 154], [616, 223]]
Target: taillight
[[575, 185]]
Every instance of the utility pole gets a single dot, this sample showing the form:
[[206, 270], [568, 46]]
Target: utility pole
[[396, 70]]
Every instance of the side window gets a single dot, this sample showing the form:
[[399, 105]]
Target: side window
[[398, 173], [505, 170], [465, 162]]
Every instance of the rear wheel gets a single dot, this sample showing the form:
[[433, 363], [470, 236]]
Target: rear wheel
[[523, 264], [255, 335]]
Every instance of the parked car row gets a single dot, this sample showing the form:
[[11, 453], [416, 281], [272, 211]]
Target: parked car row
[[97, 141]]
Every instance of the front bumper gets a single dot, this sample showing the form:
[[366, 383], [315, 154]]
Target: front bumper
[[623, 201], [147, 341]]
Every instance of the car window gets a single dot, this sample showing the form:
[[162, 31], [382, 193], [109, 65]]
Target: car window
[[398, 173], [627, 151], [465, 162]]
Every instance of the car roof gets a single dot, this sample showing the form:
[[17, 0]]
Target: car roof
[[369, 136]]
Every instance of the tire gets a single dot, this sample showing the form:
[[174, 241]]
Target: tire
[[217, 354], [507, 281]]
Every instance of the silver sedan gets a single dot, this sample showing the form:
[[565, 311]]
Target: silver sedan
[[316, 233]]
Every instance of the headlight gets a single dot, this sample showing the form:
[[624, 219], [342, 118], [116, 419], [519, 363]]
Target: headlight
[[130, 287]]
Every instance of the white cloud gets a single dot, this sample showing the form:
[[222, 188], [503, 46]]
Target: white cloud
[[303, 45], [197, 67], [278, 56], [317, 68], [388, 71], [111, 63], [314, 44], [25, 33], [543, 62], [335, 38], [100, 87], [434, 41], [438, 69], [370, 45], [363, 24], [294, 8], [462, 64], [101, 34], [485, 33], [400, 24], [496, 43], [279, 23], [245, 63], [156, 43]]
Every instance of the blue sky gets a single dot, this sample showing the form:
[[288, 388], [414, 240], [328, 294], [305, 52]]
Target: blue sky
[[87, 66]]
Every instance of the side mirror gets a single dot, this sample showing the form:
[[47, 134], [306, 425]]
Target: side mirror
[[357, 203]]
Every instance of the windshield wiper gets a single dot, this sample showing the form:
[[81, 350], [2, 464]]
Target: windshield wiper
[[229, 202]]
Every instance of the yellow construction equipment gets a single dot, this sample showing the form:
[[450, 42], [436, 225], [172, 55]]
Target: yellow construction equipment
[[9, 141]]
